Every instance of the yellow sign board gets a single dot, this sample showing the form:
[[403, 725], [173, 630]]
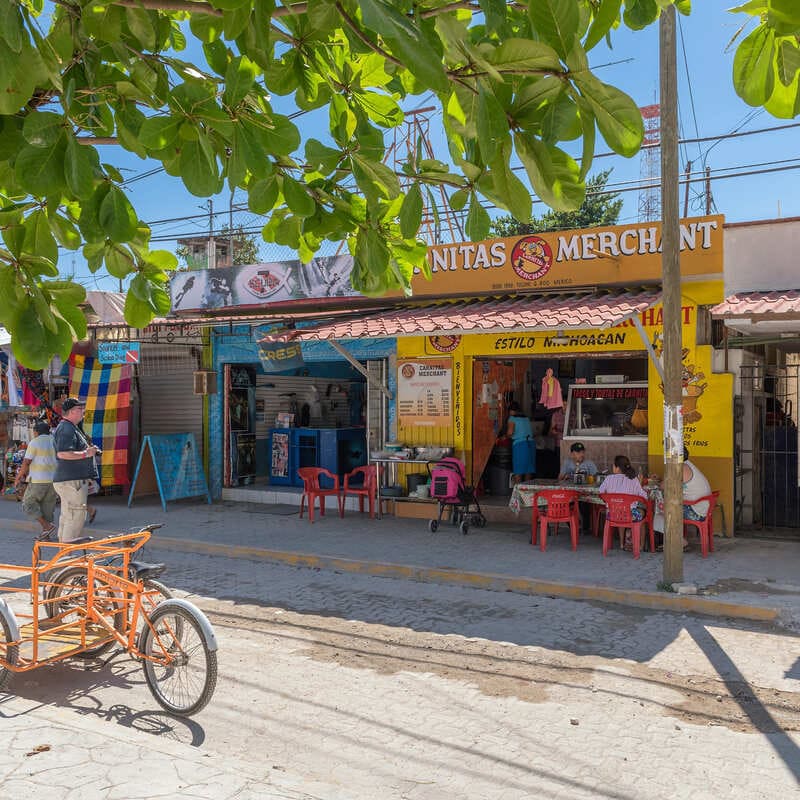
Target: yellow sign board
[[621, 254], [425, 392]]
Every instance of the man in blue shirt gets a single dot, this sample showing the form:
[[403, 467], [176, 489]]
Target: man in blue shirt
[[577, 463]]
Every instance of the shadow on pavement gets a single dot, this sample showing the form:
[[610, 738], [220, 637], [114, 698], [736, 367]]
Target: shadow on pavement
[[73, 685]]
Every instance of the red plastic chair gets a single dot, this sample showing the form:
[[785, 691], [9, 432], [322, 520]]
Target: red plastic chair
[[562, 506], [312, 489], [705, 527], [366, 486], [619, 515]]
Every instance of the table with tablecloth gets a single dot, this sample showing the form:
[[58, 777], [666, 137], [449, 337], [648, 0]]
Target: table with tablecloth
[[523, 493]]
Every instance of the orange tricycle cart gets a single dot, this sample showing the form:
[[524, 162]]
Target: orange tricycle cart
[[85, 597]]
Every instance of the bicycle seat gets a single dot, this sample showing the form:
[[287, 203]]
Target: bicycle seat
[[143, 571]]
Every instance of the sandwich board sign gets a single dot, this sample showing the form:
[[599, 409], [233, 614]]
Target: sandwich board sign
[[169, 465]]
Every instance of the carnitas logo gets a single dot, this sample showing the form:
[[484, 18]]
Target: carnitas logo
[[531, 258], [444, 344], [264, 283]]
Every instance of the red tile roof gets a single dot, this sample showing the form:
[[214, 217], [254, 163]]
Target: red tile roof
[[540, 312], [760, 305]]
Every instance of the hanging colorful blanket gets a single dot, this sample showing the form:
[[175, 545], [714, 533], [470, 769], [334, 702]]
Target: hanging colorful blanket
[[106, 389]]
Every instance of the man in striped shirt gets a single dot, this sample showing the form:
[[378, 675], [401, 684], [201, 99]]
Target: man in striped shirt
[[39, 466]]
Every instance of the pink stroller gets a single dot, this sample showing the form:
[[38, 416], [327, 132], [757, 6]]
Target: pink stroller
[[449, 487]]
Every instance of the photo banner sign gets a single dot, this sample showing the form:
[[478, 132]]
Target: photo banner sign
[[259, 284], [425, 392], [609, 256]]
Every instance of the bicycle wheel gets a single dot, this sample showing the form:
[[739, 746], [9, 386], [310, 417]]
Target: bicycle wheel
[[8, 653], [185, 683], [72, 580]]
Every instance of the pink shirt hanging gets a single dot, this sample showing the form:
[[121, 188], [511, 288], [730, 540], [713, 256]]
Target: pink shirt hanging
[[551, 391]]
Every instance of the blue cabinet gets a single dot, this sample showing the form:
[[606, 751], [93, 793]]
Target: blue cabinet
[[342, 449], [336, 449]]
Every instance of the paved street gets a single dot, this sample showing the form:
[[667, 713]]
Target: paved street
[[350, 686]]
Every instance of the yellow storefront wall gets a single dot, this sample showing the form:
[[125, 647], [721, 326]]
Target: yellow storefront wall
[[708, 397]]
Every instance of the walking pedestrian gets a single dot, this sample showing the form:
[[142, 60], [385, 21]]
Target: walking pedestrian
[[74, 468], [39, 466]]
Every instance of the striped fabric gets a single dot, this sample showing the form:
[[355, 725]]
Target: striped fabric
[[106, 390]]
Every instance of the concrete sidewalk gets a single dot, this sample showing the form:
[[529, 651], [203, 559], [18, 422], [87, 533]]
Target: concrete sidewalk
[[747, 578], [49, 752]]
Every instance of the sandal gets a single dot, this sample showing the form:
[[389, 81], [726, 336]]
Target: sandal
[[46, 535]]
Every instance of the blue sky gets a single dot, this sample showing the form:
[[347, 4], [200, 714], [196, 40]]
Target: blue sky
[[715, 110]]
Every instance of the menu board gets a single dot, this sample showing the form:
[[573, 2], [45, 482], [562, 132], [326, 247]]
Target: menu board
[[424, 391]]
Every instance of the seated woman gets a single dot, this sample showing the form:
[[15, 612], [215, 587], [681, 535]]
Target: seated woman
[[695, 485], [623, 480], [523, 448]]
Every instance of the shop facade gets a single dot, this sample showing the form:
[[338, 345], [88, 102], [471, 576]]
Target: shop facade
[[511, 319], [276, 409], [761, 347]]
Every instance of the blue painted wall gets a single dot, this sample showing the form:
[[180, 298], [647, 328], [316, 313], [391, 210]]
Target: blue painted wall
[[239, 346]]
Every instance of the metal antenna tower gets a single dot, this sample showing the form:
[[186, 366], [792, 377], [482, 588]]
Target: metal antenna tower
[[650, 167], [412, 144]]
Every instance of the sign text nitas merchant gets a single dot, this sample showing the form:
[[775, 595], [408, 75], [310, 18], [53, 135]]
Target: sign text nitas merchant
[[583, 246]]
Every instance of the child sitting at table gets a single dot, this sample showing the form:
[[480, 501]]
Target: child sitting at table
[[623, 480]]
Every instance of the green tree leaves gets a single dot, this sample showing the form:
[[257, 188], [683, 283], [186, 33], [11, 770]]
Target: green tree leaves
[[513, 83], [556, 21], [766, 67]]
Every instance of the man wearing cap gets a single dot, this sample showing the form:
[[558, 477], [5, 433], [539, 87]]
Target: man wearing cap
[[74, 467], [39, 466], [577, 462]]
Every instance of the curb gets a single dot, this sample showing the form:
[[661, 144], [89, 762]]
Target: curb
[[660, 601]]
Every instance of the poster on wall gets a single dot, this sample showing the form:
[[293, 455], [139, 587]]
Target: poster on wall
[[425, 392], [279, 458], [245, 455], [239, 403]]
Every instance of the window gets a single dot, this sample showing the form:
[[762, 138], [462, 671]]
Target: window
[[607, 410]]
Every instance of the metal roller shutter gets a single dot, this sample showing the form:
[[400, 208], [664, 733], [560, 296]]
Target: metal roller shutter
[[166, 397]]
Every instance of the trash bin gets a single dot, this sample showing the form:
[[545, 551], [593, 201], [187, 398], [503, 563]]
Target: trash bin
[[415, 479], [497, 480]]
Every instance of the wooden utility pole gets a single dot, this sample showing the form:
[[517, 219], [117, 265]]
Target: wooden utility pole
[[671, 283]]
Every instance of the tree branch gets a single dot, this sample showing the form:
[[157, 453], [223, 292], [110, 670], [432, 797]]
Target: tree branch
[[201, 7], [171, 5], [365, 39], [87, 140], [434, 12]]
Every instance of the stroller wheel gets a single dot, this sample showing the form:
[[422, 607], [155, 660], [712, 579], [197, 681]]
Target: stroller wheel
[[480, 521], [433, 526], [464, 527]]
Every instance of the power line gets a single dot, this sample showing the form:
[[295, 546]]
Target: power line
[[622, 188], [689, 84]]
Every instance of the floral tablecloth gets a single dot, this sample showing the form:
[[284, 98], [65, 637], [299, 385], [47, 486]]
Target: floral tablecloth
[[522, 496]]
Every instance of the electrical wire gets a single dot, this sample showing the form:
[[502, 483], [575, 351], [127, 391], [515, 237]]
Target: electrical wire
[[689, 83]]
